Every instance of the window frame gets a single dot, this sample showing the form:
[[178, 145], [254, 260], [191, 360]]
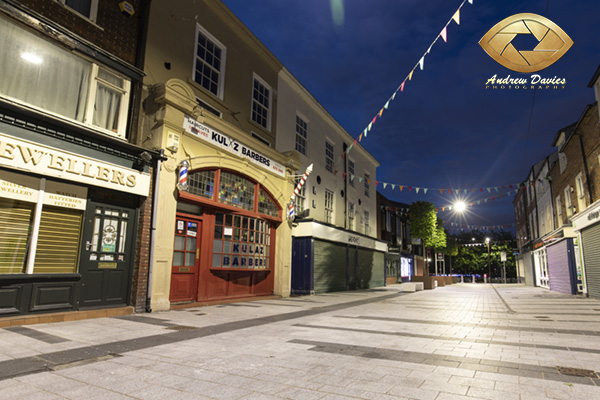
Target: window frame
[[351, 172], [256, 78], [221, 72], [568, 204], [329, 206], [329, 158], [559, 214], [351, 214], [301, 139], [367, 184], [93, 10], [366, 218], [300, 197]]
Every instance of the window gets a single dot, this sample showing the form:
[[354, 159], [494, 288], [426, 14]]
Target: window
[[209, 63], [87, 8], [328, 206], [240, 242], [559, 217], [261, 103], [233, 190], [388, 221], [562, 161], [208, 107], [351, 172], [568, 205], [367, 183], [580, 192], [367, 228], [329, 154], [49, 78], [301, 135], [300, 198], [351, 216]]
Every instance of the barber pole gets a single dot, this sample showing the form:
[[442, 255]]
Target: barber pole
[[291, 213], [182, 183]]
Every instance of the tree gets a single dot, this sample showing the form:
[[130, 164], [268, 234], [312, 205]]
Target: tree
[[423, 225]]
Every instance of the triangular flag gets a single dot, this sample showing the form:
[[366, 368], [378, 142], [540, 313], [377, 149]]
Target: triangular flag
[[417, 189], [394, 95], [443, 208], [380, 112], [335, 172], [441, 191], [376, 183], [470, 1], [360, 137], [410, 75], [360, 179], [370, 125], [344, 175], [402, 86], [422, 63], [456, 17], [481, 190], [443, 35], [374, 119], [425, 190], [489, 190], [393, 186], [365, 132], [496, 188], [449, 191], [401, 187], [387, 105], [384, 185], [409, 188]]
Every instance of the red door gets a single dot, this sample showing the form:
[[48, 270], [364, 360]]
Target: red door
[[186, 260]]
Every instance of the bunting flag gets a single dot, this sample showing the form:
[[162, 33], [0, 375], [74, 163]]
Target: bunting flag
[[422, 63], [402, 86], [411, 74], [443, 35], [456, 17]]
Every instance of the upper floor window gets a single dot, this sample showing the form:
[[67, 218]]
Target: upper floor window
[[351, 172], [568, 205], [328, 206], [329, 156], [580, 192], [87, 8], [559, 217], [562, 161], [367, 227], [209, 63], [49, 78], [301, 135], [300, 198], [351, 216], [367, 184], [261, 103]]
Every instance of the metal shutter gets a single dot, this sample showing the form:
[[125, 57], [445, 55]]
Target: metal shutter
[[591, 257], [528, 269], [15, 220], [58, 240], [371, 265], [330, 267]]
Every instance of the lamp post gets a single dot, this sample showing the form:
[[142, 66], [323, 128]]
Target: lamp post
[[487, 240]]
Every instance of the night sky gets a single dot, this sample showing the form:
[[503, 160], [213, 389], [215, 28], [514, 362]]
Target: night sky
[[445, 130]]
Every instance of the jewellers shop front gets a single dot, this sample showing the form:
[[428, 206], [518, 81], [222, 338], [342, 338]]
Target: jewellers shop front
[[68, 218]]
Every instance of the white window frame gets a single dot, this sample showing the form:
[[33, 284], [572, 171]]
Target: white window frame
[[568, 204], [329, 205], [580, 189], [351, 172], [559, 214], [90, 105], [221, 72], [351, 212], [256, 78], [93, 9], [329, 163], [366, 221], [367, 184], [301, 134], [562, 161]]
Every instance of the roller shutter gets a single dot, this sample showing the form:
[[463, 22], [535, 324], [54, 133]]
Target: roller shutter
[[330, 267], [15, 220], [591, 257]]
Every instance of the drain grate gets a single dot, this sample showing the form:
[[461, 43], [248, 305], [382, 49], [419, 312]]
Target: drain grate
[[577, 372], [181, 328]]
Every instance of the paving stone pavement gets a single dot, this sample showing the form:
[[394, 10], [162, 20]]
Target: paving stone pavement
[[465, 341]]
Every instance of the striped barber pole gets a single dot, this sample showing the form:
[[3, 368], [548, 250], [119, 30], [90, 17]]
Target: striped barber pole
[[291, 213], [182, 183]]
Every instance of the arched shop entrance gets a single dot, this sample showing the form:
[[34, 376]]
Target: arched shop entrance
[[224, 238]]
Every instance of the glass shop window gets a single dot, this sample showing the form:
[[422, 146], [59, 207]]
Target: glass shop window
[[241, 242]]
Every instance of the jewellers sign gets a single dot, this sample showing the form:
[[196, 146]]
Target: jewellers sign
[[231, 145], [47, 161]]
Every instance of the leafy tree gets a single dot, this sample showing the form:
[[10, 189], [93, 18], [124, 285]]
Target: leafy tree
[[423, 225], [439, 237]]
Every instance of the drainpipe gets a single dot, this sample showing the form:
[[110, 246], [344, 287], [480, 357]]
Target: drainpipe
[[153, 231], [344, 147]]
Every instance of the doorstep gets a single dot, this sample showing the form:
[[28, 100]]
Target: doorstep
[[179, 306], [63, 316]]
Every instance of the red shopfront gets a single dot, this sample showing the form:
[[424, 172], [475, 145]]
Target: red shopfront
[[224, 242]]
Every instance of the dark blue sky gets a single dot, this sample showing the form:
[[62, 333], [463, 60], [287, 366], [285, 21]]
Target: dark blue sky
[[445, 130]]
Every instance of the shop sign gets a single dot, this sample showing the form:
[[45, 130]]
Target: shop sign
[[24, 155], [231, 145], [26, 188]]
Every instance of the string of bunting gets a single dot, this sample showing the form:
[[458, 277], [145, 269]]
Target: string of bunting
[[421, 64], [464, 227]]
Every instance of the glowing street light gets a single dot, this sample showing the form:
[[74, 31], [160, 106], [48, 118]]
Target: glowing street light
[[460, 206]]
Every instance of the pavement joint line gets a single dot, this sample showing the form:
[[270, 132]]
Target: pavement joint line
[[529, 370], [37, 335], [510, 310], [480, 326], [45, 362], [455, 339]]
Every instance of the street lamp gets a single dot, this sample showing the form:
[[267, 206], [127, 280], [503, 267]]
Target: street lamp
[[487, 240], [460, 206]]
